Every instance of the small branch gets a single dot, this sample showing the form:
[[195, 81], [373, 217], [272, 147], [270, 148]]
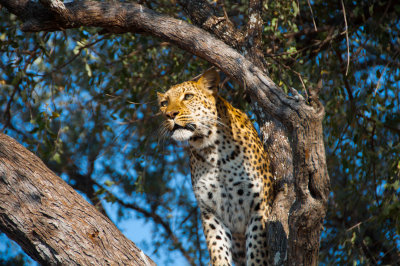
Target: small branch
[[224, 10], [294, 71], [198, 243], [58, 68], [318, 44], [385, 125], [312, 15], [384, 70], [7, 111], [155, 218], [347, 37], [85, 183], [346, 82], [308, 32]]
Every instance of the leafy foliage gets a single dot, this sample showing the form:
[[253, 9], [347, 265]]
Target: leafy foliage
[[84, 102]]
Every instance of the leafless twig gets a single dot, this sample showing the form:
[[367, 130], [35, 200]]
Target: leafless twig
[[312, 15], [384, 70], [347, 37]]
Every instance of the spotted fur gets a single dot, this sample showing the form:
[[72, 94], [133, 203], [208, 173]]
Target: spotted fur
[[231, 178]]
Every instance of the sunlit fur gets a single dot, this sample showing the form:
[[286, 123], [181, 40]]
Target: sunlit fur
[[231, 177]]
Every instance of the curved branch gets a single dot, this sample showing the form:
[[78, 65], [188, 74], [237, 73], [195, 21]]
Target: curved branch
[[156, 218]]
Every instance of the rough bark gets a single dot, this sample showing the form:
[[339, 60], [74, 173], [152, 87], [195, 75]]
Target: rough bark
[[50, 221], [291, 127], [205, 16]]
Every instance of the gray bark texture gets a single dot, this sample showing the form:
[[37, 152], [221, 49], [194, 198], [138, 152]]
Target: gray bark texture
[[51, 221], [291, 128]]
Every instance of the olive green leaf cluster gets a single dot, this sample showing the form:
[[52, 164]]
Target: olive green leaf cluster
[[84, 102]]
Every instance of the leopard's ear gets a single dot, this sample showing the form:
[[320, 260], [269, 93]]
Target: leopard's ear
[[209, 81], [160, 96]]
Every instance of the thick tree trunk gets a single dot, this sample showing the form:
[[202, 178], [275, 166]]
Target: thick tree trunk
[[297, 153], [50, 221], [291, 127]]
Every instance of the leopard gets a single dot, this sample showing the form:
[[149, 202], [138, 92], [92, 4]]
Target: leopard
[[230, 172]]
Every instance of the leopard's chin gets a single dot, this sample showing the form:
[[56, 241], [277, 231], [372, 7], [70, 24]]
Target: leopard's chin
[[181, 134]]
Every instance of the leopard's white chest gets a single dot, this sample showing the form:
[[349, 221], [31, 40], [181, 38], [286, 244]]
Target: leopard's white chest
[[228, 189]]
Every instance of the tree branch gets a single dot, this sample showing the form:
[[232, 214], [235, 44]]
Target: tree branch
[[254, 25], [247, 42], [133, 17], [7, 111], [253, 34], [50, 221], [157, 220]]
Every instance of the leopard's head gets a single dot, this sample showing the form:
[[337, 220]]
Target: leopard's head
[[189, 108]]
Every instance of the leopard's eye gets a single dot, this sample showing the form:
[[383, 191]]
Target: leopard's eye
[[164, 103], [188, 96]]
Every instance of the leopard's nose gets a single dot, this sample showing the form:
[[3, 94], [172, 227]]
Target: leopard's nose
[[172, 114]]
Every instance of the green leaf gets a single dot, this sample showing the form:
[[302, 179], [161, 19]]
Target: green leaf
[[55, 115], [295, 8], [56, 157], [88, 70], [109, 183]]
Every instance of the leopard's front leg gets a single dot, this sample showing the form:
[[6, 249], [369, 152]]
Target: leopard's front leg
[[256, 251], [219, 239]]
